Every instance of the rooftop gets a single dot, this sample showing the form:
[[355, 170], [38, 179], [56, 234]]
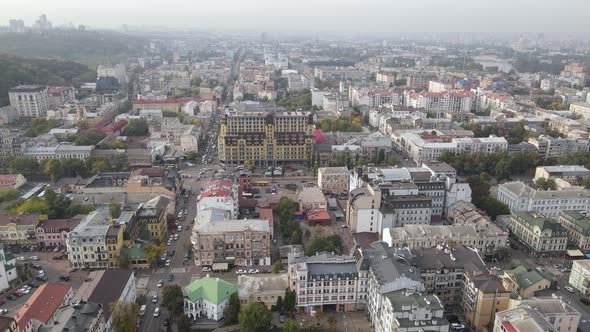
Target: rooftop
[[221, 226], [109, 288], [213, 290], [19, 220], [42, 304], [252, 284]]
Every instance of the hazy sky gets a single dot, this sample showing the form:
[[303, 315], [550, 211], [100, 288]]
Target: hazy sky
[[314, 15]]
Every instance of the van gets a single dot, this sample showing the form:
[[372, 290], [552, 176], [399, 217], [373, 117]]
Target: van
[[142, 310]]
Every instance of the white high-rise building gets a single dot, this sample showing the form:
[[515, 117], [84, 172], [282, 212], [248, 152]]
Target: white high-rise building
[[29, 100]]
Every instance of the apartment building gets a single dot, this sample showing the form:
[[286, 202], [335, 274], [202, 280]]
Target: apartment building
[[8, 115], [327, 282], [312, 198], [317, 97], [484, 236], [577, 224], [550, 147], [107, 287], [580, 276], [385, 77], [333, 179], [29, 100], [576, 70], [18, 229], [151, 219], [424, 147], [8, 270], [581, 108], [410, 310], [420, 80], [565, 125], [53, 232], [401, 210], [59, 95], [524, 283], [520, 197], [450, 101], [265, 138], [87, 243], [483, 297], [239, 242], [573, 174], [541, 234]]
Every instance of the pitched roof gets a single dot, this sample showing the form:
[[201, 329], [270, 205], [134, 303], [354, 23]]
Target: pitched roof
[[109, 289], [19, 220], [213, 290], [42, 304]]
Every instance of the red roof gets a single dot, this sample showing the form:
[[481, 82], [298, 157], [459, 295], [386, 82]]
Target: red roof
[[42, 304], [318, 136], [56, 90], [265, 213], [508, 327], [316, 215], [169, 101], [215, 193], [8, 178]]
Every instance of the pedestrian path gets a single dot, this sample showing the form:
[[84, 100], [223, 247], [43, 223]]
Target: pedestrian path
[[178, 270]]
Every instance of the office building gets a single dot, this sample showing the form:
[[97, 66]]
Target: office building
[[550, 147], [558, 312], [29, 100], [333, 179], [580, 276], [574, 174], [266, 138], [577, 224]]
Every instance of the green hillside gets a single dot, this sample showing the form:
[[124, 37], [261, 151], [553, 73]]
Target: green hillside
[[89, 47], [16, 70]]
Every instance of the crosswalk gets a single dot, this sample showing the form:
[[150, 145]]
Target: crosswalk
[[173, 270], [152, 293]]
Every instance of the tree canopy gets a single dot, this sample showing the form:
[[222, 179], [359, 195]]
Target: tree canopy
[[89, 137], [124, 316], [232, 310], [136, 127], [24, 165], [340, 124], [329, 244], [172, 298], [255, 318]]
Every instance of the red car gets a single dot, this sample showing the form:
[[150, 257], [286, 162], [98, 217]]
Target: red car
[[2, 301], [17, 294]]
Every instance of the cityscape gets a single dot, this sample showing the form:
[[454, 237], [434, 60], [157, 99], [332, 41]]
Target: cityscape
[[155, 177]]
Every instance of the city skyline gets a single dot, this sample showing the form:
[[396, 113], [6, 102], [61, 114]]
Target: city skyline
[[372, 16]]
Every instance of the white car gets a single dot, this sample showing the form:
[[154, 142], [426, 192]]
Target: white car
[[160, 283], [175, 237], [24, 290], [3, 311], [169, 243], [240, 271], [167, 262], [41, 273], [206, 269], [21, 258], [157, 312], [35, 258], [570, 289], [155, 298]]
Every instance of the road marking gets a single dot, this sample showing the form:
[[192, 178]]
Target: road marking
[[178, 270], [152, 293]]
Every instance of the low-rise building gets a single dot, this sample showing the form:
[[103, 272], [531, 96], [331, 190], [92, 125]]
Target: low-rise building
[[262, 288], [87, 243], [521, 197], [41, 308], [573, 174], [207, 297], [550, 147], [60, 151], [524, 283], [13, 181], [580, 276], [18, 229], [312, 198], [333, 179], [539, 233], [53, 232], [326, 281], [410, 310], [577, 224]]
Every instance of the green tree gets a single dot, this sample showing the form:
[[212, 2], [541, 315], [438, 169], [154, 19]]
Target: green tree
[[89, 137], [286, 208], [192, 156], [586, 182], [124, 316], [232, 310], [24, 165], [277, 266], [126, 106], [8, 194], [136, 127], [380, 156], [545, 184], [255, 318], [118, 144], [115, 209], [503, 170], [154, 251], [119, 163], [279, 305], [74, 167], [100, 165], [320, 244], [31, 205], [492, 206], [289, 301], [172, 298], [57, 204], [290, 325], [54, 169], [184, 324]]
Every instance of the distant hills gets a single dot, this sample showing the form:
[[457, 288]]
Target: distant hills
[[15, 70], [89, 47]]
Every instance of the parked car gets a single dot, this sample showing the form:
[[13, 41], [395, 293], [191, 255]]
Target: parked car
[[21, 258], [570, 289], [23, 291], [585, 301], [2, 301], [32, 284], [11, 297], [41, 278], [35, 258], [3, 311], [41, 273], [167, 262], [17, 294], [205, 269], [64, 278], [160, 283]]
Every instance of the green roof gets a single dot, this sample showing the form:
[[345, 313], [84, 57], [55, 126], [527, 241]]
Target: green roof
[[135, 251], [525, 278], [577, 218], [9, 257], [534, 218], [8, 267], [213, 290]]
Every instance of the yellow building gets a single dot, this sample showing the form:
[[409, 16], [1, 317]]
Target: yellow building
[[19, 229], [166, 105], [114, 241], [151, 218], [524, 283], [266, 138], [483, 296]]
